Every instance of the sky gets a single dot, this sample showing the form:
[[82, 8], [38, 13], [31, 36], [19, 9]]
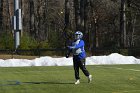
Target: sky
[[113, 58]]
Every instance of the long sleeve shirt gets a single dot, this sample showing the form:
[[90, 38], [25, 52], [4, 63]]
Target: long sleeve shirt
[[78, 49]]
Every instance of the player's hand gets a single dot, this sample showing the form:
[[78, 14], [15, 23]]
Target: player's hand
[[70, 47], [67, 56]]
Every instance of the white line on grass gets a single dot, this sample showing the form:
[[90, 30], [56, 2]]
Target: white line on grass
[[123, 69], [127, 91], [131, 91], [120, 68]]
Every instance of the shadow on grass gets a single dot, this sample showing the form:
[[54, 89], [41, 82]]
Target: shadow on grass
[[14, 83], [10, 83], [47, 83]]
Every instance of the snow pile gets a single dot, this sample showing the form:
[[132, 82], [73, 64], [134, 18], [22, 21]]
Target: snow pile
[[113, 58]]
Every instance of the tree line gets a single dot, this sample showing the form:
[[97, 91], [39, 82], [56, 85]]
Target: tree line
[[51, 23]]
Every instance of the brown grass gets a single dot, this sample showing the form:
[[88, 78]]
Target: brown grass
[[6, 56]]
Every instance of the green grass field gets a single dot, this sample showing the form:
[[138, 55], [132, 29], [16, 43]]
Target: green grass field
[[107, 79]]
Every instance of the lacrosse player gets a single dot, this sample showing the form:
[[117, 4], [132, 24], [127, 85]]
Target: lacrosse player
[[79, 57]]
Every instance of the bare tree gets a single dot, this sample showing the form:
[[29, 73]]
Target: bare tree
[[1, 11]]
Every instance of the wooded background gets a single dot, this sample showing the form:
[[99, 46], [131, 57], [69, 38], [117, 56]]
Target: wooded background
[[106, 24]]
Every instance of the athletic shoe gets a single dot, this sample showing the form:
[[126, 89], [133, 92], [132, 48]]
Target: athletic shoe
[[77, 82], [89, 78]]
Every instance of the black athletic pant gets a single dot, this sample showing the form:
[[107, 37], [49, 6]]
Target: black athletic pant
[[79, 64]]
